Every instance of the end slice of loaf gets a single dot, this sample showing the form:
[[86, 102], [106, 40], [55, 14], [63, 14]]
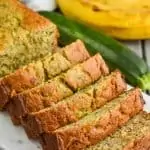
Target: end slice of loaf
[[24, 36], [135, 135], [97, 125], [58, 88], [42, 70], [75, 107]]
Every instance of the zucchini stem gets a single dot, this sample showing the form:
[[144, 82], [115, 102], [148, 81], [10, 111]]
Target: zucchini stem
[[144, 81]]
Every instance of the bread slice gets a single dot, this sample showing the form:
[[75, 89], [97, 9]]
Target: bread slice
[[24, 36], [42, 70], [135, 135], [95, 126], [75, 107], [58, 88]]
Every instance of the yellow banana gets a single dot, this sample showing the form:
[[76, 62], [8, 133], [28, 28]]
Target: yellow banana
[[124, 19], [96, 13], [128, 33]]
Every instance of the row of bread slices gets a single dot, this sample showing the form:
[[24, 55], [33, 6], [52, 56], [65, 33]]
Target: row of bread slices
[[70, 101]]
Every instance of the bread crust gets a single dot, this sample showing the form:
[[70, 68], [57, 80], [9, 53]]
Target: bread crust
[[71, 109], [38, 72], [55, 90], [25, 36], [20, 26], [142, 143], [26, 14], [134, 135], [88, 132], [17, 82]]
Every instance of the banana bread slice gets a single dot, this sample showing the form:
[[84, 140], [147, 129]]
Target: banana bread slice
[[42, 70], [58, 88], [96, 126], [24, 36], [135, 135], [75, 107]]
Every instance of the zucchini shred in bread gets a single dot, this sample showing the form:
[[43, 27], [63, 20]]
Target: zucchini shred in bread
[[75, 107], [58, 88], [135, 135], [95, 126], [24, 36], [40, 71]]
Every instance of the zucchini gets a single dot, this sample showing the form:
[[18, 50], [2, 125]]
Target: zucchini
[[134, 68]]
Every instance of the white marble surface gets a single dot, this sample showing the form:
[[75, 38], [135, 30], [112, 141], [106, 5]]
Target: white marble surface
[[14, 138], [38, 5]]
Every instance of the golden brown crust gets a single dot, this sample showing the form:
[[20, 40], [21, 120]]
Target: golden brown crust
[[78, 52], [139, 144], [42, 97], [23, 29], [38, 98], [34, 74], [29, 20], [89, 71], [28, 36], [134, 135], [19, 81], [100, 65], [71, 109], [36, 24], [82, 134], [65, 59]]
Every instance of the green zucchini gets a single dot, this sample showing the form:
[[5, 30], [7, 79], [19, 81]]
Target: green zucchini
[[135, 69]]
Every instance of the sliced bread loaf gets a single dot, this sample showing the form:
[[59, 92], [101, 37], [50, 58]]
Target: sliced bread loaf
[[42, 70], [24, 36], [75, 107], [95, 126], [135, 135], [58, 88]]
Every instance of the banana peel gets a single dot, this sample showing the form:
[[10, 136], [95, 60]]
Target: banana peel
[[97, 13], [125, 19], [128, 33]]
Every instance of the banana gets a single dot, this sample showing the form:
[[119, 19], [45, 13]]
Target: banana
[[137, 33], [125, 19]]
